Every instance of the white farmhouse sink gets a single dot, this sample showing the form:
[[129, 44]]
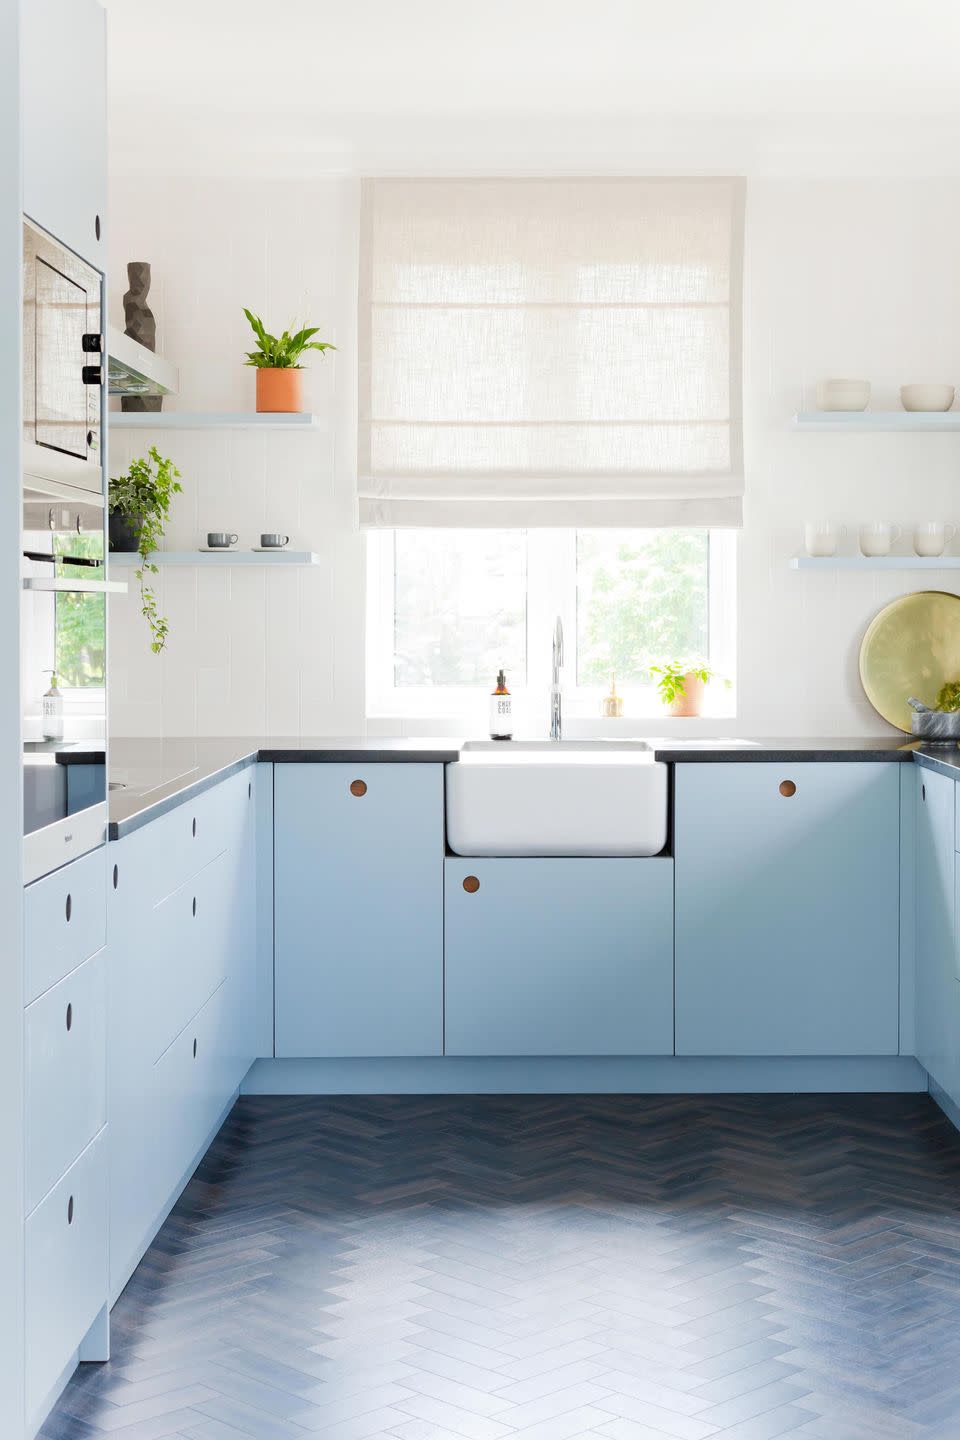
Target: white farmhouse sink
[[548, 797]]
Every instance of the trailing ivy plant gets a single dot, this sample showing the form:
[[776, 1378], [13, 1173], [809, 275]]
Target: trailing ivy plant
[[281, 352], [143, 496], [673, 673]]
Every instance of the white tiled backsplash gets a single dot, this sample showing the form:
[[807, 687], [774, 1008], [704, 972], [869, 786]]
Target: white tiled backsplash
[[853, 278]]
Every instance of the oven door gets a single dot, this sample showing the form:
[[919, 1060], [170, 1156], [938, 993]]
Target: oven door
[[62, 364]]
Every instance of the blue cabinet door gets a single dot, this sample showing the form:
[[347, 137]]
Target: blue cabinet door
[[358, 896], [938, 992], [559, 957], [787, 909], [164, 960]]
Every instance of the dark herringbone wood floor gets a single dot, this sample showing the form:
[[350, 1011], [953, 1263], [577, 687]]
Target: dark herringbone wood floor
[[631, 1268]]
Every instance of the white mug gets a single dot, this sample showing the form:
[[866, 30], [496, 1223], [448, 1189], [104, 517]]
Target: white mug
[[932, 536], [823, 536], [877, 537]]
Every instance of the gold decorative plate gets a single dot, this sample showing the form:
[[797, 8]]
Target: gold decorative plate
[[912, 647]]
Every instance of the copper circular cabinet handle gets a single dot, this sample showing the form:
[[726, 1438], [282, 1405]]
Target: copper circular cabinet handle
[[471, 884], [358, 787], [787, 788]]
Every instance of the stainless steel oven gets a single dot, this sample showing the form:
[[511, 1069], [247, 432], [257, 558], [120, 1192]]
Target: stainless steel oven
[[62, 364], [64, 561]]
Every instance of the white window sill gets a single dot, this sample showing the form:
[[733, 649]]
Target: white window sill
[[474, 722]]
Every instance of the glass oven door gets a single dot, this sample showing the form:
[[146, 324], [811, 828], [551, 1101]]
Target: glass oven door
[[62, 364]]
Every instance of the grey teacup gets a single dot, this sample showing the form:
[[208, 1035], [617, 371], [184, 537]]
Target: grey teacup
[[220, 539], [274, 542]]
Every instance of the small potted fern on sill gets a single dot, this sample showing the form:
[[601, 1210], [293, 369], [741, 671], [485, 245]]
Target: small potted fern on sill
[[681, 685], [277, 363]]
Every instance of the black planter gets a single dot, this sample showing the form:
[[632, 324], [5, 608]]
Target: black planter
[[124, 532]]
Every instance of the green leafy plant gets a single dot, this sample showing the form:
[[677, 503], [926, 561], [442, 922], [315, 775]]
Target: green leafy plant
[[949, 697], [143, 496], [673, 673], [281, 352]]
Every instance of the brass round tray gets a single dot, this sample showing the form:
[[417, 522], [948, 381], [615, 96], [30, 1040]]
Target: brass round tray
[[911, 647]]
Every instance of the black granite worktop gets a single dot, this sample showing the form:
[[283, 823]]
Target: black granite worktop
[[944, 757], [150, 776], [869, 748]]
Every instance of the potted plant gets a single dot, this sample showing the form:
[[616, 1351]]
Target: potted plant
[[277, 363], [139, 510], [681, 685]]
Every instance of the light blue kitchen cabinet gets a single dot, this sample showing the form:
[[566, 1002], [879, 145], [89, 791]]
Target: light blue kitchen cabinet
[[65, 1272], [63, 921], [559, 957], [65, 1066], [167, 960], [938, 991], [787, 908], [358, 896], [63, 66]]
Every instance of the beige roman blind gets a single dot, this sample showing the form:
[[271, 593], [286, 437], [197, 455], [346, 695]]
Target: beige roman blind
[[550, 352]]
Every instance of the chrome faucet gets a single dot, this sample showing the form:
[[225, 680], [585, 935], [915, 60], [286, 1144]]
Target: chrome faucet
[[556, 718]]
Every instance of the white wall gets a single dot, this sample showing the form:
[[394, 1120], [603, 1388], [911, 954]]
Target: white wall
[[855, 278]]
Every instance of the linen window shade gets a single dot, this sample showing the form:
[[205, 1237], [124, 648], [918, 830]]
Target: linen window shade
[[538, 352]]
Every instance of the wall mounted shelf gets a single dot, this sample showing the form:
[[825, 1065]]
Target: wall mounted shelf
[[923, 421], [211, 420], [875, 562], [127, 558], [63, 585]]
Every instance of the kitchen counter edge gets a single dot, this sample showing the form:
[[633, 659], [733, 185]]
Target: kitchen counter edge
[[131, 811]]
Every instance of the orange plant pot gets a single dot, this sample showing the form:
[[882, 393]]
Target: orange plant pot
[[691, 701], [278, 391]]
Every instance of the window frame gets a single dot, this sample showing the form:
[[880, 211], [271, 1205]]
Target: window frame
[[551, 590]]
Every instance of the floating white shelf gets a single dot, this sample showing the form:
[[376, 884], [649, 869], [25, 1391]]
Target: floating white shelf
[[915, 420], [210, 420], [209, 557], [62, 585], [875, 562]]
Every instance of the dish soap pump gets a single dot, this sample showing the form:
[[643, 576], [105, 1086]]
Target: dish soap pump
[[501, 711], [51, 724]]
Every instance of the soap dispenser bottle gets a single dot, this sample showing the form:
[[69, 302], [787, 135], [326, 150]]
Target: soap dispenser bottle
[[501, 711], [51, 723]]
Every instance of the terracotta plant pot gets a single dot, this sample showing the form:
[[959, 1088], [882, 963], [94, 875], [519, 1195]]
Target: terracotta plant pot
[[691, 701], [278, 391]]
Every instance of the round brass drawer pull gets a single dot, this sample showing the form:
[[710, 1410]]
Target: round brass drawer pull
[[471, 884], [787, 788], [358, 787]]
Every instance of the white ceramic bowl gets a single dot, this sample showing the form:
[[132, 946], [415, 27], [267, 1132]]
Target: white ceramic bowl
[[926, 397], [843, 394]]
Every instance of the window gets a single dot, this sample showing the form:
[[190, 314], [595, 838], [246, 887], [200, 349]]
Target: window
[[80, 620], [447, 608]]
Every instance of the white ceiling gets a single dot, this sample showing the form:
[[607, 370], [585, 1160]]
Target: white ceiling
[[303, 86]]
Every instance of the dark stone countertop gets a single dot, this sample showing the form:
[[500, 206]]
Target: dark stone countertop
[[944, 757], [868, 748], [151, 776]]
